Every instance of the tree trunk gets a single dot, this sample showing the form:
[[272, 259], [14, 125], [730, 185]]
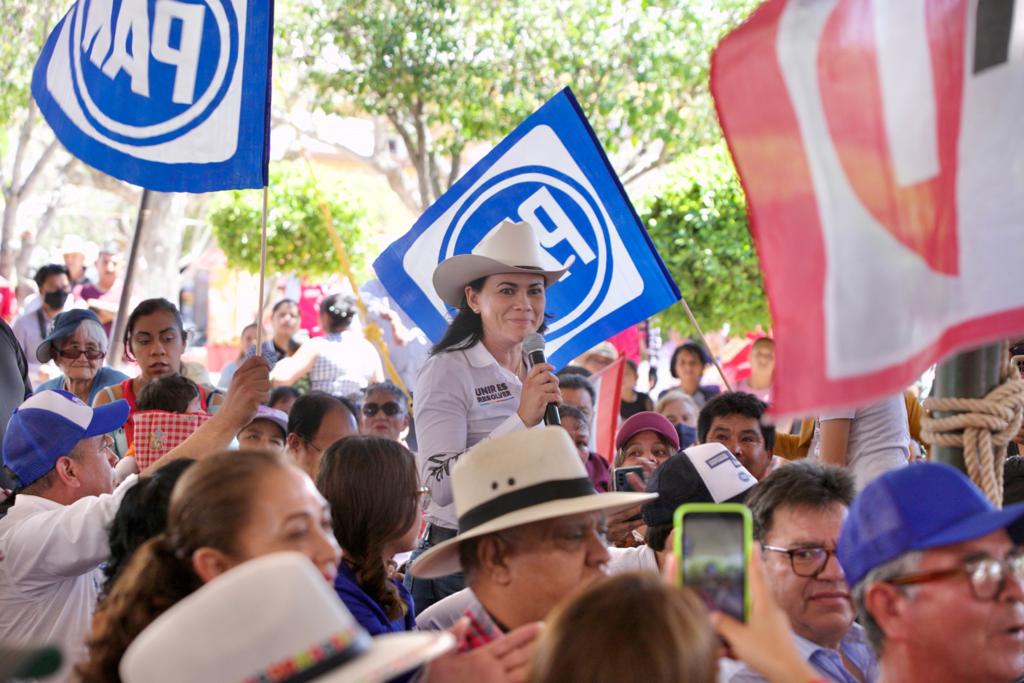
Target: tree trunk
[[158, 274]]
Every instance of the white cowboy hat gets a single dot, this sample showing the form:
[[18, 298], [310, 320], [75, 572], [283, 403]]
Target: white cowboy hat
[[509, 248], [273, 618], [513, 480]]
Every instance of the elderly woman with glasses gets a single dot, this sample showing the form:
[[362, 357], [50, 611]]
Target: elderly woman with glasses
[[384, 412], [78, 345]]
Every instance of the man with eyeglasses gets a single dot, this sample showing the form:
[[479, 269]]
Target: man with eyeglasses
[[384, 411], [938, 577], [798, 512], [57, 451]]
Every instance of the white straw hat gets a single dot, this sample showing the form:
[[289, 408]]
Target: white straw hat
[[273, 619], [516, 479], [509, 248]]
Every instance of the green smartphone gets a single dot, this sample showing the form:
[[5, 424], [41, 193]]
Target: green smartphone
[[712, 549]]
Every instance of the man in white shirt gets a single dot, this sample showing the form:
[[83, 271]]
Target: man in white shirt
[[54, 537]]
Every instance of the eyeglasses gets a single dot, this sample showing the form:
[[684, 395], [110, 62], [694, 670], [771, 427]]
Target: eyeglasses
[[390, 409], [806, 562], [423, 498], [73, 353], [987, 575]]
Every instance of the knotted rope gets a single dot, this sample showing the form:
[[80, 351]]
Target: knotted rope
[[982, 427]]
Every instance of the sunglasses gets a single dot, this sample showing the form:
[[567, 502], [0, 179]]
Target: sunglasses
[[390, 409], [72, 354]]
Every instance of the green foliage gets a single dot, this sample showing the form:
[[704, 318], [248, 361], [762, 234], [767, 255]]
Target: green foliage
[[449, 72], [698, 222], [297, 237], [24, 26]]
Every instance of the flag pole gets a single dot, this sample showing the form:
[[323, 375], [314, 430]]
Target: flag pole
[[703, 339], [116, 353], [263, 272]]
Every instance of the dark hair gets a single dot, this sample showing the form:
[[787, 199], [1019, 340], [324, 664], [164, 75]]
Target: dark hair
[[339, 310], [280, 393], [390, 388], [631, 364], [172, 393], [145, 308], [1013, 480], [667, 629], [565, 410], [308, 412], [574, 381], [467, 328], [762, 341], [735, 403], [141, 515], [371, 484], [283, 302], [688, 346], [49, 270], [656, 536], [210, 505], [803, 483], [573, 370]]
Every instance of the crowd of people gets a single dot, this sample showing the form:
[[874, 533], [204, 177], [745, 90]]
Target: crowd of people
[[308, 518]]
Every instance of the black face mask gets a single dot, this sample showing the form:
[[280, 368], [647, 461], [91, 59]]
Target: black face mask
[[55, 300]]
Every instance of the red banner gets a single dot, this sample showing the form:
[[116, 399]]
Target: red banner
[[878, 145]]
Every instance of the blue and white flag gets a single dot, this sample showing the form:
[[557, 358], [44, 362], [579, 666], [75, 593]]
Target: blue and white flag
[[552, 173], [172, 95]]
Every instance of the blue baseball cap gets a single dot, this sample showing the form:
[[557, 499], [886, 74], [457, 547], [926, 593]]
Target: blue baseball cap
[[48, 425], [64, 325], [918, 507]]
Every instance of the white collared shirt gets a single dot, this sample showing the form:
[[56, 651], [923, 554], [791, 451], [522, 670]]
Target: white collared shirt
[[50, 577], [462, 397]]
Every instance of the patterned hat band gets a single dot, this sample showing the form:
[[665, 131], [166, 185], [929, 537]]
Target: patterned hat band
[[317, 660]]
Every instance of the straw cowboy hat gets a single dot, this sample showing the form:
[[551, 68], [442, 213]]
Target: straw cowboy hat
[[513, 480], [509, 248], [273, 618]]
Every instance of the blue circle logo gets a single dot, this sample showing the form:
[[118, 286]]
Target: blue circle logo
[[571, 224], [148, 72]]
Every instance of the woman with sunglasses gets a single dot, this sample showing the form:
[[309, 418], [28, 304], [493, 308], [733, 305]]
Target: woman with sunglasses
[[385, 411], [78, 345]]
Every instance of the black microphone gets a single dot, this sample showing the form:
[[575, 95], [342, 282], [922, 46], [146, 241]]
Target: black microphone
[[533, 345]]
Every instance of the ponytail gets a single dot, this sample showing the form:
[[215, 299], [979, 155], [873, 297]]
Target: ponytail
[[155, 579]]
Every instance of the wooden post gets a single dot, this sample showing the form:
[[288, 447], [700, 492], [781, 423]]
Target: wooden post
[[969, 374]]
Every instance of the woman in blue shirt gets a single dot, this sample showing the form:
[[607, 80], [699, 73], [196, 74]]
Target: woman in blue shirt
[[372, 486], [78, 345]]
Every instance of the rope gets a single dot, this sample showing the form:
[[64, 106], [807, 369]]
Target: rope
[[982, 427]]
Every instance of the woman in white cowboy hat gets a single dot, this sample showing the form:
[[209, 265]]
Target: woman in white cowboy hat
[[476, 384]]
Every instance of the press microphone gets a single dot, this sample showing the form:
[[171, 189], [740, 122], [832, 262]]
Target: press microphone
[[533, 345]]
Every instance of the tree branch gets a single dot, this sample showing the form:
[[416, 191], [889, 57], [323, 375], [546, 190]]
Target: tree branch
[[420, 160], [662, 158], [24, 136], [33, 176], [456, 166]]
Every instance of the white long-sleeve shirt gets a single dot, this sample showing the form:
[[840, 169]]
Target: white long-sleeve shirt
[[49, 575], [462, 398]]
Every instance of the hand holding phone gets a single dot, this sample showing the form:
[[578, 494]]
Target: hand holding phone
[[712, 545], [622, 480]]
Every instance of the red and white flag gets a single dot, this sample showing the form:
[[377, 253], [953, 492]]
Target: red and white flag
[[608, 388], [879, 144]]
